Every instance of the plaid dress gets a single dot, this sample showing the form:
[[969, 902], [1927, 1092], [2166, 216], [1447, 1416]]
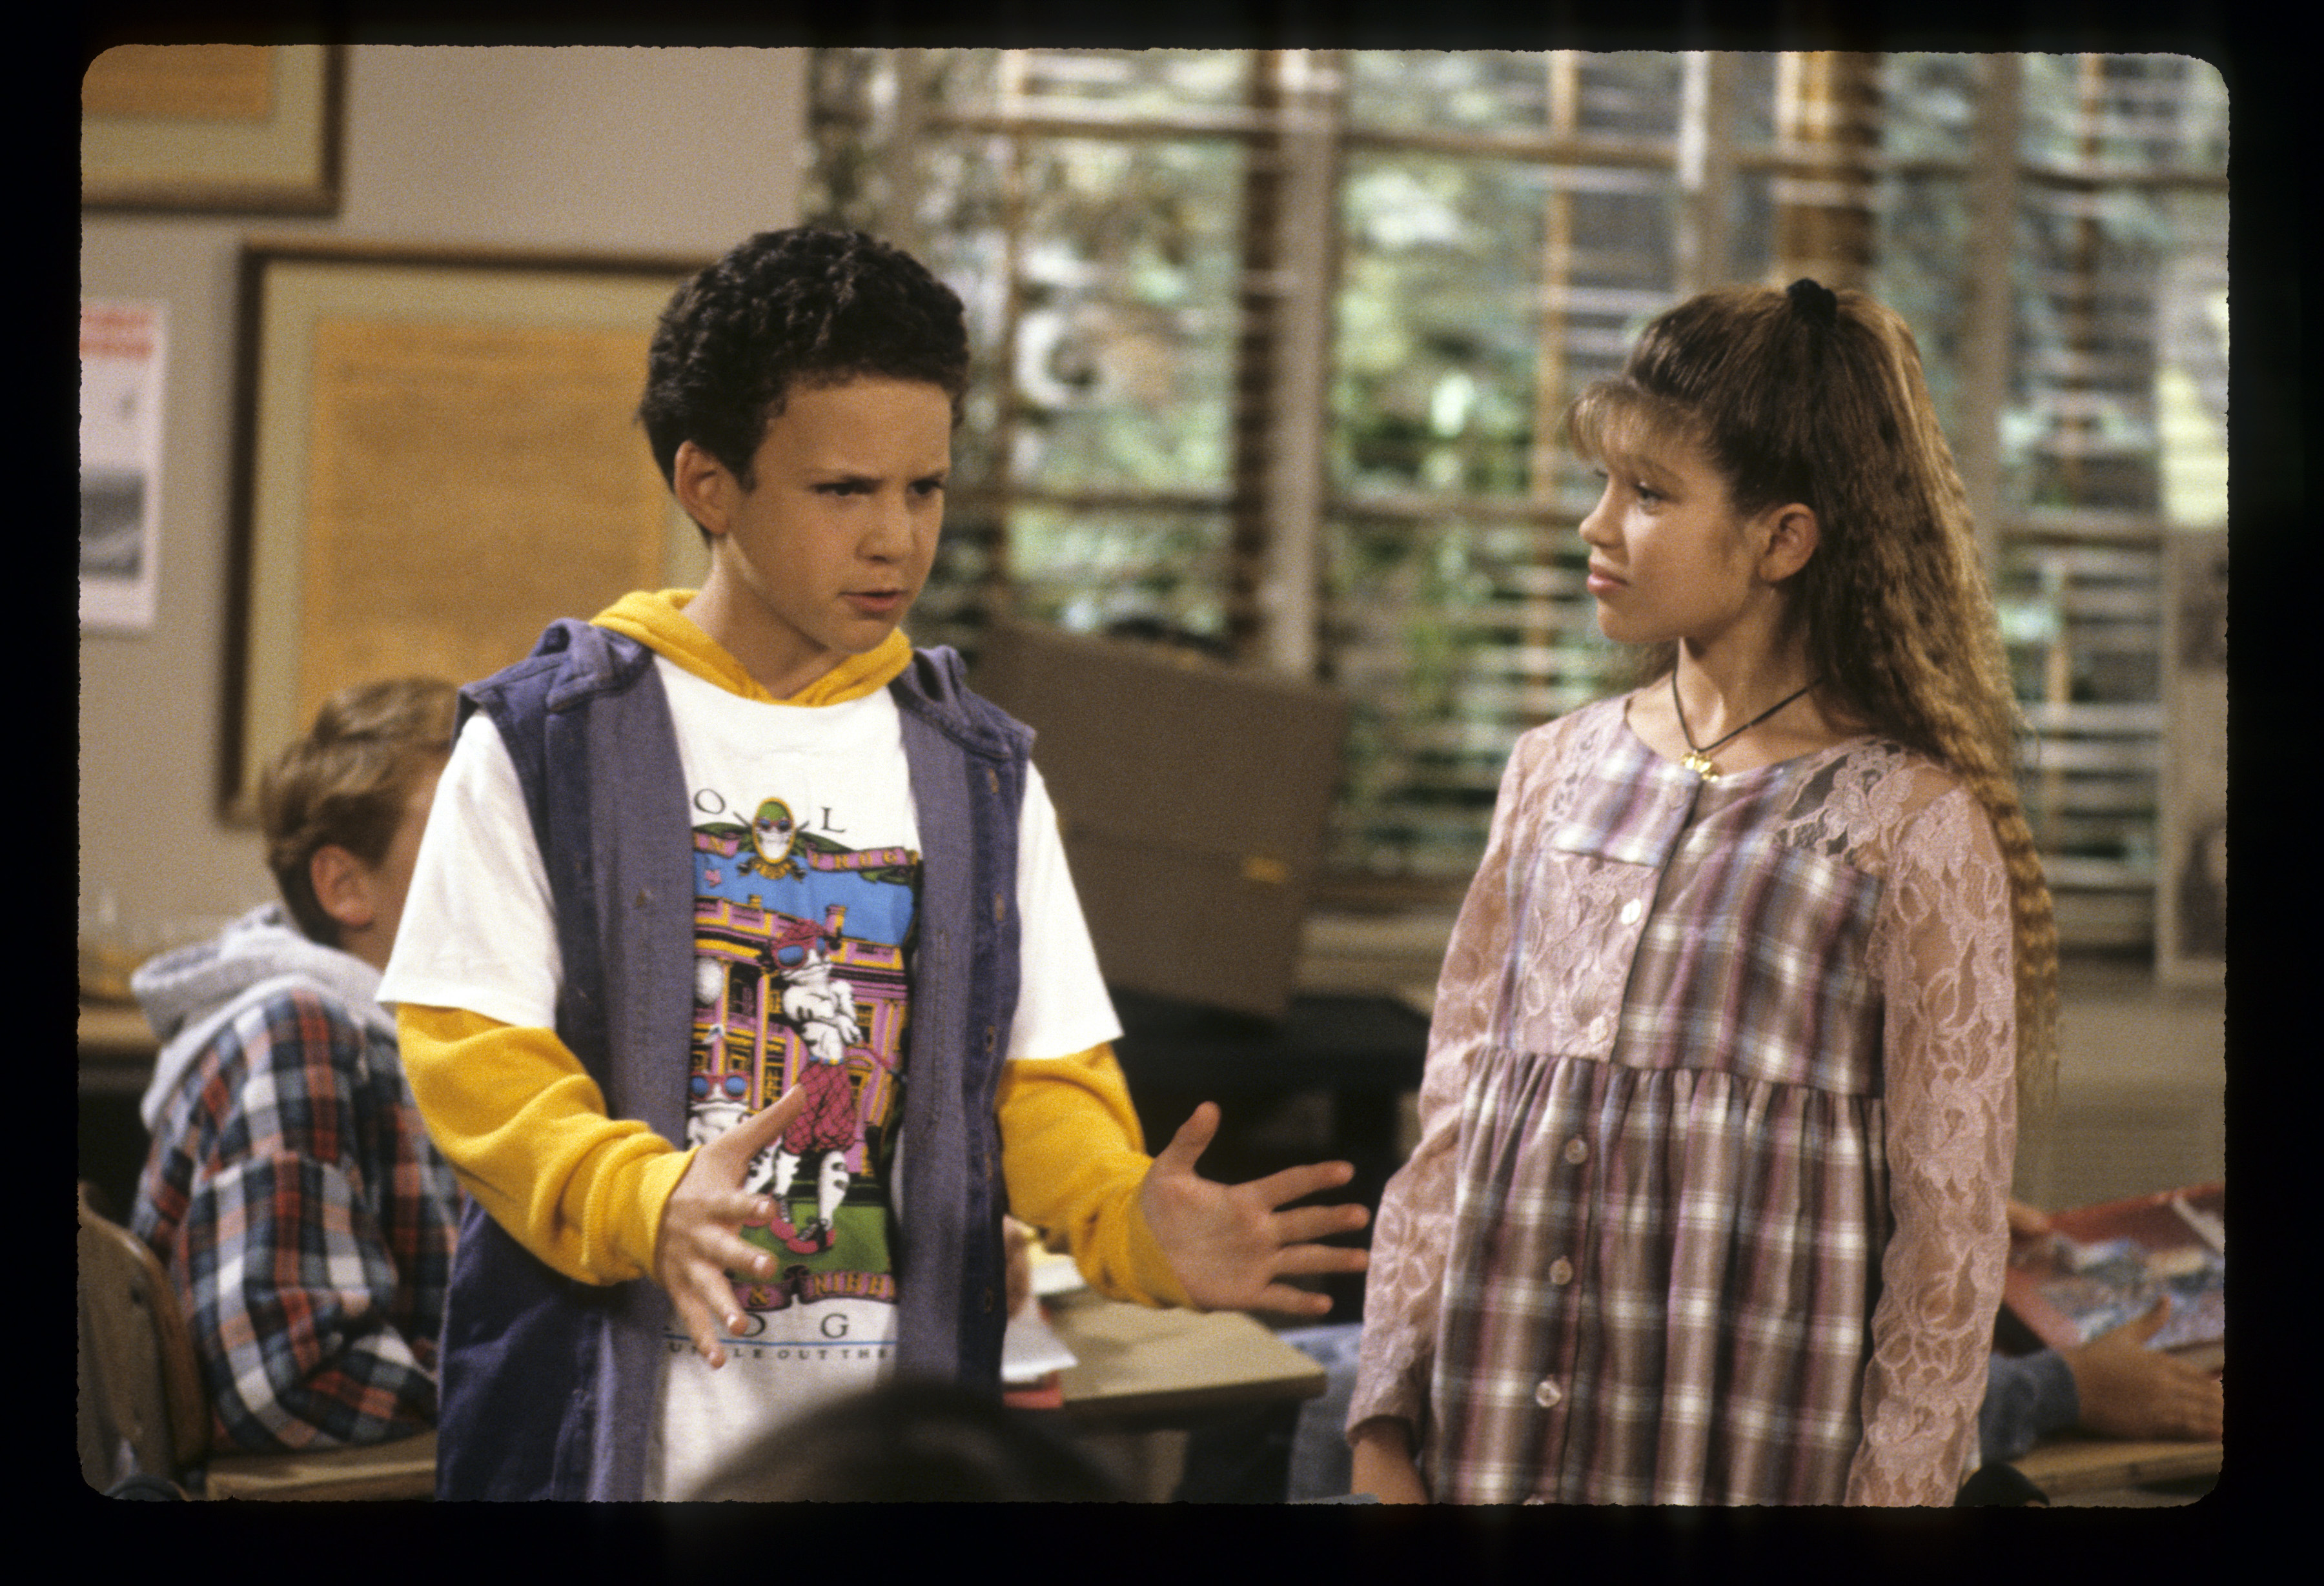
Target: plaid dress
[[1717, 1124]]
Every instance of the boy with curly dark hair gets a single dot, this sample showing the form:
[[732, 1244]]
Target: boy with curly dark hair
[[741, 869]]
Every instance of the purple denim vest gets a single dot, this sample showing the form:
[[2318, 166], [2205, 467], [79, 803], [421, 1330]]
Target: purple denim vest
[[547, 1383]]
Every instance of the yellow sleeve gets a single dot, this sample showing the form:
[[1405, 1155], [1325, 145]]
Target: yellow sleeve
[[525, 1130], [1074, 1162]]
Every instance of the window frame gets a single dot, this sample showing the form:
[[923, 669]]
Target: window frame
[[1822, 169]]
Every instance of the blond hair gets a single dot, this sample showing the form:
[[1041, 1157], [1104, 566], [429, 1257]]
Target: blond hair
[[1818, 397], [346, 781]]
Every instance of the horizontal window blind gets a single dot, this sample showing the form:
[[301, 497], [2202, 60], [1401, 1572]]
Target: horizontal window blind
[[1274, 347]]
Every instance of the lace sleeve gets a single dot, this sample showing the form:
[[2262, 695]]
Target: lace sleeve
[[1943, 951], [1410, 1238]]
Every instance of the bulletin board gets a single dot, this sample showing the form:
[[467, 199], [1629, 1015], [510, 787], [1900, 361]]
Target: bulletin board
[[438, 455]]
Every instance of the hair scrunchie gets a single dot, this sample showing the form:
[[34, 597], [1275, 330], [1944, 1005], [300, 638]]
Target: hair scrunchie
[[1814, 300]]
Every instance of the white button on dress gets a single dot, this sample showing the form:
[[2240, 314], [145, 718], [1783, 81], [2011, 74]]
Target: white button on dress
[[1547, 1394], [1631, 910], [1577, 1150]]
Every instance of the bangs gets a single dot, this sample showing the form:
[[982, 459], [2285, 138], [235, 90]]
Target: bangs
[[1614, 416]]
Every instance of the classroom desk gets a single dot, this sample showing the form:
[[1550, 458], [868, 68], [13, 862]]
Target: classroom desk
[[2072, 1464], [1140, 1369], [376, 1472], [116, 1048], [114, 1065]]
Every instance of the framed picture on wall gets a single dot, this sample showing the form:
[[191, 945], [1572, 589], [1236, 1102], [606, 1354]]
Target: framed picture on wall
[[2190, 926], [438, 454], [124, 355], [249, 127]]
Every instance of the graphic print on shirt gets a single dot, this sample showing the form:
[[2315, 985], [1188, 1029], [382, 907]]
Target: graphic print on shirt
[[800, 947]]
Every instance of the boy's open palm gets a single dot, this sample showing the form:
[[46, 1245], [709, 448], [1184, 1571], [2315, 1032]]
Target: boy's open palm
[[1229, 1243], [701, 1239]]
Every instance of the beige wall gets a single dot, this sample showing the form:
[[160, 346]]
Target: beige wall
[[663, 151]]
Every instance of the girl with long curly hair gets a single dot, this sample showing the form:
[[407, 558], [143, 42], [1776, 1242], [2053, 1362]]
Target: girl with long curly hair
[[1730, 1039]]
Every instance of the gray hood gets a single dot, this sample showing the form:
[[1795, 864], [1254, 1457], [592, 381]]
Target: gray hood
[[188, 994]]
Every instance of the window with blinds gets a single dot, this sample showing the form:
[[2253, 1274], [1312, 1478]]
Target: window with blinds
[[1274, 348]]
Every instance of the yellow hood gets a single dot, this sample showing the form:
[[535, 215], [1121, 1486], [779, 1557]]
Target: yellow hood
[[657, 620]]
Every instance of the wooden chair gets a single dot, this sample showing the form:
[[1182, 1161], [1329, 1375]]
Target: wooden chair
[[142, 1410]]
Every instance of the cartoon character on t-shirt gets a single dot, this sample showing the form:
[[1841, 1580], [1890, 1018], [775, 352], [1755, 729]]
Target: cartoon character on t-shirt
[[772, 833], [822, 1008], [799, 953]]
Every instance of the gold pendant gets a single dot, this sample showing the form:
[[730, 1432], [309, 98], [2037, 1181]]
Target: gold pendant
[[1700, 764]]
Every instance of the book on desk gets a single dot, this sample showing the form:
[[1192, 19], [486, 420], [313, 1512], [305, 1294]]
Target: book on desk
[[1103, 1362], [2106, 1265], [2103, 1265]]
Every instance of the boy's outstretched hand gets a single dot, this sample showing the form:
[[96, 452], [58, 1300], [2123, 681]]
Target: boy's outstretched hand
[[701, 1238], [1228, 1243]]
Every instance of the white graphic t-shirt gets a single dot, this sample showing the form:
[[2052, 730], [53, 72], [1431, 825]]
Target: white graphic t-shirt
[[807, 868]]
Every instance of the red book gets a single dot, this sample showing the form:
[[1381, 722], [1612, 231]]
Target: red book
[[2105, 1265], [1048, 1394]]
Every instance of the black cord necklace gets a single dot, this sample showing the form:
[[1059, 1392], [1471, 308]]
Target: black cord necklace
[[1697, 756]]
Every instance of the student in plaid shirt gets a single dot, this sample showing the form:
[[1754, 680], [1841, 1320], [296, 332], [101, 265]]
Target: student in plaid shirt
[[1720, 1101], [304, 1218]]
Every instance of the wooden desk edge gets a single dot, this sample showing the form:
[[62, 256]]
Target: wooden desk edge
[[1137, 1412], [404, 1469], [1291, 1378], [2089, 1464], [115, 1029]]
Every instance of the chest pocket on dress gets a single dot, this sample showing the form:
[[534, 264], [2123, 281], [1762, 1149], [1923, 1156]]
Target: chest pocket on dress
[[1589, 891]]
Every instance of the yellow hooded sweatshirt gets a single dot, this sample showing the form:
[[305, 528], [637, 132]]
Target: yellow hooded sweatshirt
[[525, 1128]]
